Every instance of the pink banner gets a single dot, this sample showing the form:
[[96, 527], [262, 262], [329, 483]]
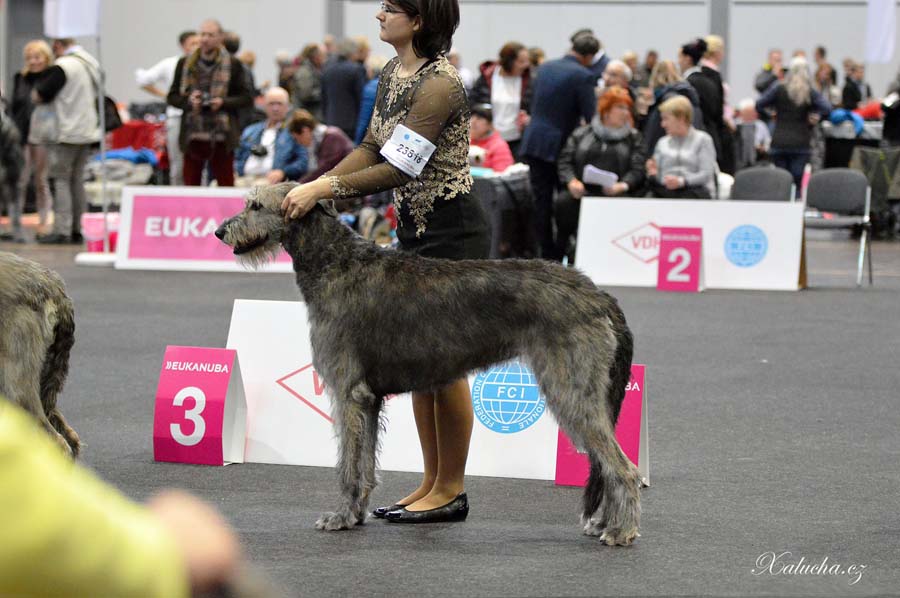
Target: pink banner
[[190, 405], [572, 467], [165, 227]]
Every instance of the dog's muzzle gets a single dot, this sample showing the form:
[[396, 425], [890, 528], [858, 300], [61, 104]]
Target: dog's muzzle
[[220, 233]]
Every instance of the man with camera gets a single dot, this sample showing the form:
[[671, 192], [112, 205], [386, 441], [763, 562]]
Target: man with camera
[[268, 153], [211, 88]]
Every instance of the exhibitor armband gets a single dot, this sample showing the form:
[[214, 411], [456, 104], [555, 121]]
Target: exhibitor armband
[[408, 151]]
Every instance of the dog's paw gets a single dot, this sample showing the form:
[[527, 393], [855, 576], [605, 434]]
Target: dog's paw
[[619, 537], [594, 528], [335, 521]]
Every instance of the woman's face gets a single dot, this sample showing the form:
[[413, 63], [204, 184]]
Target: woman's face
[[684, 62], [616, 116], [35, 61], [673, 125], [397, 28], [523, 61]]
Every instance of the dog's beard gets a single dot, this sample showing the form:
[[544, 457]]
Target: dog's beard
[[258, 256]]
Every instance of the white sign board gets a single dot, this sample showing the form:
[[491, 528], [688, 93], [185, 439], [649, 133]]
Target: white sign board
[[71, 18], [288, 411], [746, 244]]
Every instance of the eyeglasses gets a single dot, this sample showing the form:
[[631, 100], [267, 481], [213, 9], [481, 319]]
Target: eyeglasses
[[388, 9]]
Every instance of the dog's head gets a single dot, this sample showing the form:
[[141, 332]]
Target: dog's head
[[256, 233]]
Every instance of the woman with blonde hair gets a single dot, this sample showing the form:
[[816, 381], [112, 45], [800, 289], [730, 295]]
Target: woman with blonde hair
[[38, 61], [684, 161], [798, 108]]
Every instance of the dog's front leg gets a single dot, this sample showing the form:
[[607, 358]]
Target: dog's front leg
[[350, 418]]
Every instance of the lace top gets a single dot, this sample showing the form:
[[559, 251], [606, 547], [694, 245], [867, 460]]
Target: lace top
[[433, 103]]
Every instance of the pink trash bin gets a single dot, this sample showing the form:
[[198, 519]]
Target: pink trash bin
[[92, 230]]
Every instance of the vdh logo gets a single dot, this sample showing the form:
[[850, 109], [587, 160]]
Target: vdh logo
[[641, 243], [506, 398], [746, 246]]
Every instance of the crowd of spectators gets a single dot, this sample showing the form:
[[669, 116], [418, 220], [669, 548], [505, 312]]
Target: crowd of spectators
[[664, 127]]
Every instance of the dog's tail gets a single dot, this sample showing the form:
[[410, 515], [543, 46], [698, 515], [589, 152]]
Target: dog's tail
[[56, 368], [619, 375]]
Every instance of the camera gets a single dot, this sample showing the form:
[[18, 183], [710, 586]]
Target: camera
[[204, 100], [259, 150]]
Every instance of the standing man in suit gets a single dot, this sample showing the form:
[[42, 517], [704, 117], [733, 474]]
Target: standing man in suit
[[342, 87], [563, 96]]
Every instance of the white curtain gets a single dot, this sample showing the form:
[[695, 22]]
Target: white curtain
[[71, 18], [881, 25]]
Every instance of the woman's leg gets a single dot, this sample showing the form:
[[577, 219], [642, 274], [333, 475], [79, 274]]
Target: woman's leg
[[423, 410], [41, 156], [453, 418]]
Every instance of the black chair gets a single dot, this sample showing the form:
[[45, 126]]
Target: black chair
[[845, 198], [763, 183]]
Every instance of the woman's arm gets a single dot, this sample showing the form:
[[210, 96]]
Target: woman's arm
[[634, 178], [566, 161], [364, 171], [706, 164], [50, 84]]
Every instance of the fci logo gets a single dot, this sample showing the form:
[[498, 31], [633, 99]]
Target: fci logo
[[641, 243]]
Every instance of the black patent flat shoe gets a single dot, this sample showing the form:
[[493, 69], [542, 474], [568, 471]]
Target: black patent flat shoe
[[455, 510], [380, 512]]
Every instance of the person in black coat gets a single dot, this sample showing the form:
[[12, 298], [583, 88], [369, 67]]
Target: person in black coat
[[342, 89], [39, 72], [609, 143], [563, 94], [708, 83], [856, 91]]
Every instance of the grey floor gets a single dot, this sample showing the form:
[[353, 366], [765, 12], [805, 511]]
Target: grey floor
[[774, 423]]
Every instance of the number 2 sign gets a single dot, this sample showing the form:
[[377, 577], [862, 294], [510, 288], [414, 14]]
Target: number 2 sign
[[200, 415], [680, 260]]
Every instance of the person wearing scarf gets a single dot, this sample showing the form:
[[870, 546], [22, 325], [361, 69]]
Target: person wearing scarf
[[609, 143], [211, 89]]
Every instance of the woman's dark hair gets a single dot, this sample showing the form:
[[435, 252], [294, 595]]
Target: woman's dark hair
[[509, 53], [439, 19], [695, 49]]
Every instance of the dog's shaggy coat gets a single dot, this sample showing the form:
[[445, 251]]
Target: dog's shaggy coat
[[384, 321], [37, 331]]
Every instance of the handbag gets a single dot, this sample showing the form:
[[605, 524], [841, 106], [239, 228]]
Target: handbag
[[44, 126]]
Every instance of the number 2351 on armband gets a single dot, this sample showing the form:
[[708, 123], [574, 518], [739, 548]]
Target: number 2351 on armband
[[200, 413]]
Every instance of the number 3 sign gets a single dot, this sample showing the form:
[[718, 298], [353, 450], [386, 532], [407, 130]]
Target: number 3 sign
[[680, 260], [200, 414]]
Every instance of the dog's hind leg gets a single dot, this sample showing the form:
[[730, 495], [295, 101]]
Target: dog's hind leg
[[56, 367], [351, 421], [22, 350]]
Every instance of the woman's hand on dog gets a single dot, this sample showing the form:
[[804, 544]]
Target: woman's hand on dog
[[302, 198]]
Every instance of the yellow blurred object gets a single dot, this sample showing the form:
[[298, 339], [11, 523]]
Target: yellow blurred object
[[64, 532]]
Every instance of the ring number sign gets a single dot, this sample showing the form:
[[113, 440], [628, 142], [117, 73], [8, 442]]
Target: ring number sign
[[200, 414], [680, 260]]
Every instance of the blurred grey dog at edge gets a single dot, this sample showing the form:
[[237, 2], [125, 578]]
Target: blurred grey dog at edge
[[456, 317]]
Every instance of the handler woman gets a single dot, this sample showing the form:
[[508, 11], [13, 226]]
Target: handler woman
[[420, 94]]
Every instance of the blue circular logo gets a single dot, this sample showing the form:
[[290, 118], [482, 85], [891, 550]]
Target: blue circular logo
[[506, 398], [406, 137], [746, 246]]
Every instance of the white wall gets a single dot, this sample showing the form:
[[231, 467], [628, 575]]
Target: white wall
[[486, 25], [137, 33]]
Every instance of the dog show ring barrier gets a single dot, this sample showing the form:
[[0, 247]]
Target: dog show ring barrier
[[514, 435], [173, 228], [752, 245]]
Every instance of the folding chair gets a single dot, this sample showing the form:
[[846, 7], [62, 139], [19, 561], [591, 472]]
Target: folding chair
[[846, 194], [763, 183]]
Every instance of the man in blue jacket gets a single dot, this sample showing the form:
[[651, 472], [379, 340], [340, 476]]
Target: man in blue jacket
[[563, 96], [267, 152]]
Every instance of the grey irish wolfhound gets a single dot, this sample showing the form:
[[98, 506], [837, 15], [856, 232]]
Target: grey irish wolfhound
[[37, 331], [383, 322]]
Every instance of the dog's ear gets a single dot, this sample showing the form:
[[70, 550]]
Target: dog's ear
[[327, 206]]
